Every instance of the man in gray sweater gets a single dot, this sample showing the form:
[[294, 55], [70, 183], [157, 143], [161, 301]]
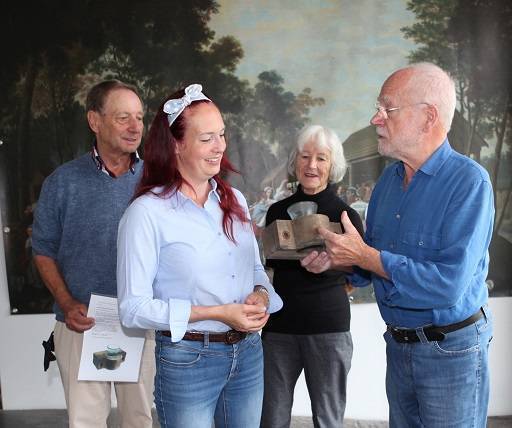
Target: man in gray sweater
[[74, 244]]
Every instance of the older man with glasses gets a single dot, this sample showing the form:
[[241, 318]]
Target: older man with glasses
[[429, 224], [74, 244]]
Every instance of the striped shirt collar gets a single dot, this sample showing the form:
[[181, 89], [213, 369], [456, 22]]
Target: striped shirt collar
[[101, 166]]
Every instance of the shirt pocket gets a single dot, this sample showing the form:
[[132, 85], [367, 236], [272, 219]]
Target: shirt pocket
[[421, 245], [376, 237]]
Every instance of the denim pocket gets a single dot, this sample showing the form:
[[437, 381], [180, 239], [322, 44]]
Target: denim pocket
[[254, 339], [484, 323], [463, 341], [179, 355]]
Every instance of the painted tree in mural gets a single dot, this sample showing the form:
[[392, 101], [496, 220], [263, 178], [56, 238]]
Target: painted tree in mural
[[265, 130], [71, 45], [63, 47], [486, 46], [472, 39], [37, 43], [58, 50]]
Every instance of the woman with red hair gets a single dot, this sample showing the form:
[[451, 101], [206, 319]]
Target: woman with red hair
[[189, 268]]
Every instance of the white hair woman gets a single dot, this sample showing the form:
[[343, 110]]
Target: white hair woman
[[312, 331]]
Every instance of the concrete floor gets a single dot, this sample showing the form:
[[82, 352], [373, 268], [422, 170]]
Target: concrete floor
[[58, 419]]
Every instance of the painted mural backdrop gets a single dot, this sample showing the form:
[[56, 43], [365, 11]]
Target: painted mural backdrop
[[272, 67]]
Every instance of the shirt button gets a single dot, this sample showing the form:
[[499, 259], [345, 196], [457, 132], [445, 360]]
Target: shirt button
[[233, 276], [398, 216], [420, 243], [391, 245], [218, 233]]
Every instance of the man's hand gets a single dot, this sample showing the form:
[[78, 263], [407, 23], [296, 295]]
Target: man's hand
[[75, 316], [347, 249], [342, 251], [75, 313]]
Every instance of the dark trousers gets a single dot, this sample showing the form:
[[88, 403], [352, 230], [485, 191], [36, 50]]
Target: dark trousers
[[325, 359]]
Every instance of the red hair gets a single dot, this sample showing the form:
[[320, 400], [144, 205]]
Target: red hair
[[161, 165]]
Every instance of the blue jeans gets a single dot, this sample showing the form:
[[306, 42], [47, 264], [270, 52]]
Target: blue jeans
[[440, 384], [198, 383]]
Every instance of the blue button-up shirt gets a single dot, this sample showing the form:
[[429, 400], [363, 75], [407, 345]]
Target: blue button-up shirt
[[173, 254], [433, 239]]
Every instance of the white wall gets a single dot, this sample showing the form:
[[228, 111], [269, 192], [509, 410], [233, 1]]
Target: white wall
[[366, 383], [26, 386]]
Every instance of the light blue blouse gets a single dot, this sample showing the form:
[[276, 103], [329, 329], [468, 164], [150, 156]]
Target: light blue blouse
[[173, 254]]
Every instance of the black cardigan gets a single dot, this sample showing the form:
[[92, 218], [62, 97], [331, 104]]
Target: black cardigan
[[313, 303]]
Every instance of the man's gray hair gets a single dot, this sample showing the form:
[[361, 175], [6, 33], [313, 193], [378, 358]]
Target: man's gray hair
[[432, 85], [98, 94], [322, 137]]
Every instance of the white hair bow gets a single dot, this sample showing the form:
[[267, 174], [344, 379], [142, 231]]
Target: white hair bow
[[175, 107]]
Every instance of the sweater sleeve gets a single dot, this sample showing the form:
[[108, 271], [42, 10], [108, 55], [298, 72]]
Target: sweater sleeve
[[47, 227]]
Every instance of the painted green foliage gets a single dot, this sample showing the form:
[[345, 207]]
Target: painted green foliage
[[54, 52], [472, 39], [64, 47]]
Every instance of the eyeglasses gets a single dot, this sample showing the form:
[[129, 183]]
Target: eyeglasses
[[384, 112]]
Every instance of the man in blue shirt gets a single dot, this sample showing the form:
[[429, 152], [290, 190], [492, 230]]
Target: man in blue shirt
[[429, 224]]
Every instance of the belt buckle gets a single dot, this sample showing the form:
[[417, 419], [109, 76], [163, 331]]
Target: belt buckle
[[400, 335], [233, 336]]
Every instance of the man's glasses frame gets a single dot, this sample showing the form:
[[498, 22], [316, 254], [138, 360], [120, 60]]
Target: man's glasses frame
[[384, 112]]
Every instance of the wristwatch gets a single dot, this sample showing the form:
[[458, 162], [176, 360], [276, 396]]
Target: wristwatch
[[261, 289]]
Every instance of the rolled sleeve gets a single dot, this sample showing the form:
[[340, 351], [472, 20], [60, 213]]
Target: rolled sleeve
[[391, 263], [275, 301], [179, 315], [359, 278], [261, 278]]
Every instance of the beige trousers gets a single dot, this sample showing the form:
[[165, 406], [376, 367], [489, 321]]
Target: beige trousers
[[88, 402]]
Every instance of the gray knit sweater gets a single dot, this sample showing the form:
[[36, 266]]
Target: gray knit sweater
[[76, 222]]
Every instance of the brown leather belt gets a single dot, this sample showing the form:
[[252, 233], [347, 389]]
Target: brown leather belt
[[432, 333], [229, 337]]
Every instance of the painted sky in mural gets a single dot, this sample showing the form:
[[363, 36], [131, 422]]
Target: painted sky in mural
[[342, 50]]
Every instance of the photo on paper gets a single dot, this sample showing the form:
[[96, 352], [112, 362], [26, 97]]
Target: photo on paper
[[110, 352], [109, 359]]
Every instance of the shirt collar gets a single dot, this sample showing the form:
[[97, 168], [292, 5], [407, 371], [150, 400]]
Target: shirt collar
[[101, 166], [213, 183], [437, 159], [213, 191], [433, 164]]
